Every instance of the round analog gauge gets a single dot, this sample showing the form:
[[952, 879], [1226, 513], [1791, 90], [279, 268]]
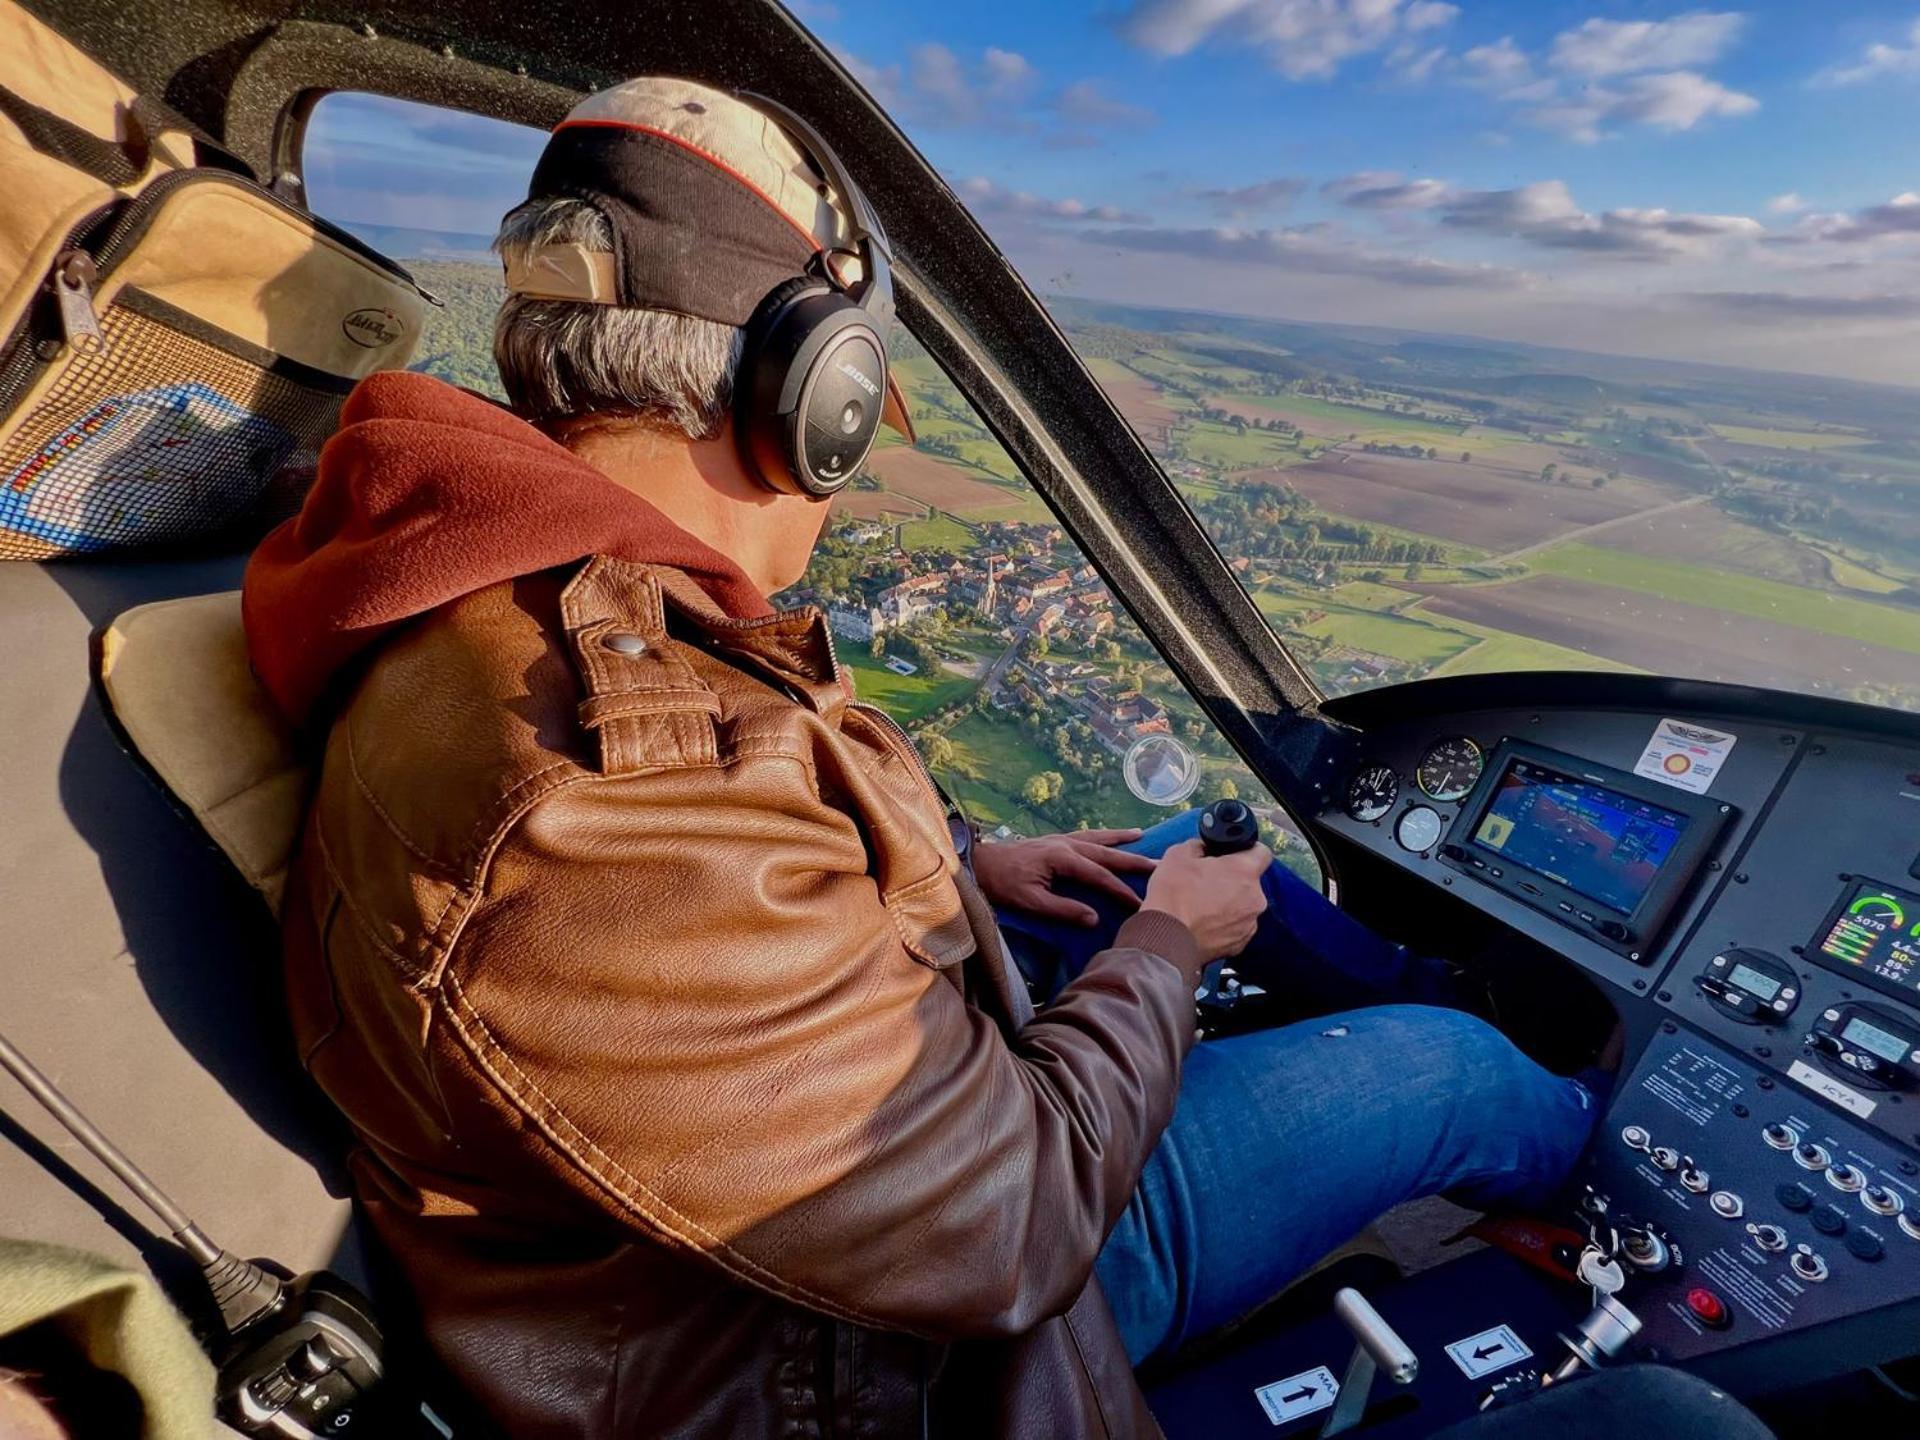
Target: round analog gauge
[[1451, 768], [1419, 829], [1372, 793]]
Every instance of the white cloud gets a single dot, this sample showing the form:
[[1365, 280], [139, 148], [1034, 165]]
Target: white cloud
[[938, 88], [985, 197], [1625, 47], [1676, 101], [1771, 307], [1302, 39], [1787, 204], [1084, 103], [1877, 61], [1502, 66], [1898, 217], [1310, 250], [1544, 213], [1387, 190], [1241, 201], [953, 91]]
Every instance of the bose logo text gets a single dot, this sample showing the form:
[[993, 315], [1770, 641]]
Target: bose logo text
[[854, 375]]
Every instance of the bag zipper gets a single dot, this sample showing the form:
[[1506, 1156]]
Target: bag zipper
[[83, 261], [20, 360]]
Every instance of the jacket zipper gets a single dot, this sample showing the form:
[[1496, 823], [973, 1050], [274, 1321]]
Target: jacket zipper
[[82, 262]]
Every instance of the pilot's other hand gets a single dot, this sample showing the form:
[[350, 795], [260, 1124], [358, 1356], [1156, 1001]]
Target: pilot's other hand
[[1021, 874], [1218, 897]]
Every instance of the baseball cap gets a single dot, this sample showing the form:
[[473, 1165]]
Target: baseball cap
[[711, 203]]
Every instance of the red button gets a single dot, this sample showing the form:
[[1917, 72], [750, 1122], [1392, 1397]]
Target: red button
[[1707, 1308]]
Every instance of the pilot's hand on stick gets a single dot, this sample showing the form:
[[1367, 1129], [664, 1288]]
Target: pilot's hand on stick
[[1022, 874], [1217, 897]]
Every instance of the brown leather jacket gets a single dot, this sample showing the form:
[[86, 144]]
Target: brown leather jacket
[[683, 1047]]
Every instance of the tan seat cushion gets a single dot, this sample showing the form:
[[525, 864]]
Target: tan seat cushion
[[177, 680]]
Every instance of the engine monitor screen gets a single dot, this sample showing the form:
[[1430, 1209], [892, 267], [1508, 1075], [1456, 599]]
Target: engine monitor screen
[[1605, 845], [1875, 930]]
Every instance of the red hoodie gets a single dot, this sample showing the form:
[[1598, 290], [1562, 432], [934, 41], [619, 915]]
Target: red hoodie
[[427, 493]]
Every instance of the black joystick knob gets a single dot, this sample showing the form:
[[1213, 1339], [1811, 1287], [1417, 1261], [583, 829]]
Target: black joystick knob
[[1227, 826]]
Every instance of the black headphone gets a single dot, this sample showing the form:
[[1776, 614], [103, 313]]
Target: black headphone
[[812, 379]]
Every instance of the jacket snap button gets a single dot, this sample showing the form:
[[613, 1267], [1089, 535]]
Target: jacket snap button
[[624, 642]]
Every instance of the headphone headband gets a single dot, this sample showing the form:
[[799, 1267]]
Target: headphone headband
[[866, 235]]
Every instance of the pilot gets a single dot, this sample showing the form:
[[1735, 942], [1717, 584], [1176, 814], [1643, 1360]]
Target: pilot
[[698, 1092]]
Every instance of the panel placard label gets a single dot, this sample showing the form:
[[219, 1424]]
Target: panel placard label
[[1828, 1088], [1488, 1351], [1298, 1395], [1684, 755]]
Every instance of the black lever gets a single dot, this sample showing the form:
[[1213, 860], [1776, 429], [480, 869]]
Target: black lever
[[1227, 826]]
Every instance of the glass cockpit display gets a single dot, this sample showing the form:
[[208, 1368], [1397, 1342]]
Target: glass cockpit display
[[1873, 933], [1607, 846]]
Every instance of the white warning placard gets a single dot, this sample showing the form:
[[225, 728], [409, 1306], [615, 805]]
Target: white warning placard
[[1488, 1351], [1685, 755], [1298, 1395]]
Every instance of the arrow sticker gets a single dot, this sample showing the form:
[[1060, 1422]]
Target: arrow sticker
[[1488, 1351], [1298, 1395]]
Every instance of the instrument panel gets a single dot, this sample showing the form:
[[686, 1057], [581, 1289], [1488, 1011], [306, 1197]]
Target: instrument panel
[[1751, 891], [1760, 881]]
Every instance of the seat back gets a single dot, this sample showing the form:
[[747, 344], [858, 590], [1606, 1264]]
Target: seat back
[[177, 681]]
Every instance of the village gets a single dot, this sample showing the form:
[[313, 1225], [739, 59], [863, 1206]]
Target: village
[[1025, 590]]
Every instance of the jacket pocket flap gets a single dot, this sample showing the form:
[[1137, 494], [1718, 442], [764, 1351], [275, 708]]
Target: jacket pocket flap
[[931, 921]]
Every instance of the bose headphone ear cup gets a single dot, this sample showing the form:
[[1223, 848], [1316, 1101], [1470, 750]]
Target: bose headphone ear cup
[[810, 388]]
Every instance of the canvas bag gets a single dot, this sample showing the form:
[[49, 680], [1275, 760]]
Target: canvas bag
[[175, 340]]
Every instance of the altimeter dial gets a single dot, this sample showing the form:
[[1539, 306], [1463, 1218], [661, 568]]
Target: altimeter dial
[[1451, 767]]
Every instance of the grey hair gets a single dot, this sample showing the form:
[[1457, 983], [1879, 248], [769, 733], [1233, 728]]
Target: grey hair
[[564, 358]]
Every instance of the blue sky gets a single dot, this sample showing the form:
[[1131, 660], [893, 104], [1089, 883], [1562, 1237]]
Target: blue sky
[[1728, 184]]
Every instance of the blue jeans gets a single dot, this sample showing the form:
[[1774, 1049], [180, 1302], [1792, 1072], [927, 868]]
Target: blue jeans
[[1285, 1143]]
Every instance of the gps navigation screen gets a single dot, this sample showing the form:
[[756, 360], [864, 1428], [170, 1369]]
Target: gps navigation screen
[[1607, 846], [1877, 931]]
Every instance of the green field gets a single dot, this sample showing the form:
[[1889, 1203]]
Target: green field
[[997, 747], [1501, 650], [1819, 610], [1368, 424], [940, 532], [906, 698], [1855, 576], [1000, 756], [1212, 443], [1414, 640], [1788, 439]]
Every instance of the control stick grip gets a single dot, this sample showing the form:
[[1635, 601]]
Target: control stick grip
[[1228, 826]]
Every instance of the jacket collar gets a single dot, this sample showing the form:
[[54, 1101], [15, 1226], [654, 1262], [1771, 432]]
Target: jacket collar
[[792, 648]]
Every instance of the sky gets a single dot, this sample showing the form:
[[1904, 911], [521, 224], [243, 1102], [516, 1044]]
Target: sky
[[1738, 186]]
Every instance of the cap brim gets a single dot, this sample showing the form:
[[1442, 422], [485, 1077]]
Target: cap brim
[[894, 412]]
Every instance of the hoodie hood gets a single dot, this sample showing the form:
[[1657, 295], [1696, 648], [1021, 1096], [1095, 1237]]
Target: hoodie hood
[[427, 493]]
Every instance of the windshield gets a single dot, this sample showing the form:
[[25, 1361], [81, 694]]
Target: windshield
[[1481, 336]]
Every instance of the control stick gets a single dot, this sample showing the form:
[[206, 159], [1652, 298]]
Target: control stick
[[1228, 826]]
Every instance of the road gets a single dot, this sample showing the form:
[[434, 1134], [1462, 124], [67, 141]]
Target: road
[[991, 680], [1570, 537]]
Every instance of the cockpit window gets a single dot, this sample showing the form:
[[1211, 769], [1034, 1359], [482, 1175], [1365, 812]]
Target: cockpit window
[[960, 604], [1481, 337], [427, 186]]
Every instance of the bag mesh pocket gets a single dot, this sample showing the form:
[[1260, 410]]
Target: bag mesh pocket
[[173, 431]]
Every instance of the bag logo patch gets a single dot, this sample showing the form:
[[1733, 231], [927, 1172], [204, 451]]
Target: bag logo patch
[[372, 327]]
